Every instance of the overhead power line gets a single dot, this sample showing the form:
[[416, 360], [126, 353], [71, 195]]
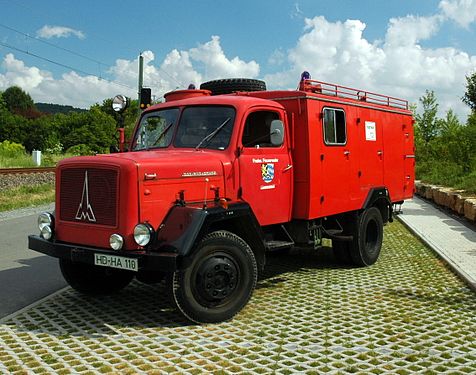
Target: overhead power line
[[63, 65], [53, 45], [73, 53]]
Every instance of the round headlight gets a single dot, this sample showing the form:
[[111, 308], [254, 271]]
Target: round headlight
[[45, 219], [46, 232], [116, 241], [143, 234]]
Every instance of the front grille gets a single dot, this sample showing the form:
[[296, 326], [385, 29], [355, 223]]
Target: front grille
[[89, 195]]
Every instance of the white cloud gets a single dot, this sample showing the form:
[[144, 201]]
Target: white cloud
[[337, 52], [332, 51], [278, 57], [399, 66], [297, 12], [409, 30], [177, 70], [18, 74], [49, 32], [462, 12], [218, 65]]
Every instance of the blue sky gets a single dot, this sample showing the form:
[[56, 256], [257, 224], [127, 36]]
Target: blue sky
[[399, 48]]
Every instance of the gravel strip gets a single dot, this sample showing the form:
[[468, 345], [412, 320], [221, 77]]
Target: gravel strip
[[9, 181]]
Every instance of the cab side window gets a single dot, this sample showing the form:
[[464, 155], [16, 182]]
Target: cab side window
[[257, 129], [334, 126]]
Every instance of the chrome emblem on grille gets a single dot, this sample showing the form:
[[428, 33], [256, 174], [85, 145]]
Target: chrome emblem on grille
[[85, 211]]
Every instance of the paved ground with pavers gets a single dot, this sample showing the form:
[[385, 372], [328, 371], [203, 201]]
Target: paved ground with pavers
[[453, 238], [408, 313]]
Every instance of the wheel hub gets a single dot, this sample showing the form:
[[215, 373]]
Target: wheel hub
[[216, 278]]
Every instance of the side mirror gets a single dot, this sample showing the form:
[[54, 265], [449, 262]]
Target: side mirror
[[276, 132]]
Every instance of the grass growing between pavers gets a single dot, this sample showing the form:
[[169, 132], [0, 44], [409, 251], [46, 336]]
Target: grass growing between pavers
[[406, 314]]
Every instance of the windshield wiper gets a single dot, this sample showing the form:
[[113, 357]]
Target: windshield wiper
[[163, 133], [212, 134]]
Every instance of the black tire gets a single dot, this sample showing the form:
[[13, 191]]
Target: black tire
[[341, 251], [368, 235], [230, 85], [94, 280], [220, 280]]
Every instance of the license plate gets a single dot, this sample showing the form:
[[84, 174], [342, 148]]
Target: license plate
[[115, 261]]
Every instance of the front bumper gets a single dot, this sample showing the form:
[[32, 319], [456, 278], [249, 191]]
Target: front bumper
[[148, 261]]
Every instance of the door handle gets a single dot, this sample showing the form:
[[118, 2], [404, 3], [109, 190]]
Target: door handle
[[346, 152], [287, 168], [379, 153], [150, 176]]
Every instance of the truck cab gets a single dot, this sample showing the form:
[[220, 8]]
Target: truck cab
[[215, 178]]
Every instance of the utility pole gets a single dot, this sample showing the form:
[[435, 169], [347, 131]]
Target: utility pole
[[141, 75]]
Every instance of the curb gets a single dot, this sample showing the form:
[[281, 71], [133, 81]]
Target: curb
[[458, 201]]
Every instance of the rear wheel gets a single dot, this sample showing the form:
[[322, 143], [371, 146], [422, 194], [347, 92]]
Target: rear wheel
[[368, 235], [94, 280], [220, 280]]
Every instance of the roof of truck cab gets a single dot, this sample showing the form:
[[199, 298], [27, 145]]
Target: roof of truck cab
[[235, 100]]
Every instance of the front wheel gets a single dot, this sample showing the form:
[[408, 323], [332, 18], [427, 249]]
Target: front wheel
[[94, 280], [220, 280]]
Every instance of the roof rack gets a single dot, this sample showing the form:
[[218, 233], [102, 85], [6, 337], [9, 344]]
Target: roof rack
[[330, 89]]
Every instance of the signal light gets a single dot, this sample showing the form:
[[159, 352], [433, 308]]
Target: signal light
[[145, 98]]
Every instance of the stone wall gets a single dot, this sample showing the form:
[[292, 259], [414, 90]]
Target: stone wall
[[458, 201]]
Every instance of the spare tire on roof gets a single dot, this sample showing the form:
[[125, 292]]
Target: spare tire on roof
[[230, 85]]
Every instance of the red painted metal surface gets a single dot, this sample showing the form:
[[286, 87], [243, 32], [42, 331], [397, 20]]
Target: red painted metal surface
[[304, 178]]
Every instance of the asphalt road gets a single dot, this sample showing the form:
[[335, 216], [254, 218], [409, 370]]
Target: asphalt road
[[25, 276]]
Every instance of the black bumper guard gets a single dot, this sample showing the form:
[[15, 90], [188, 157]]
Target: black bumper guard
[[148, 261]]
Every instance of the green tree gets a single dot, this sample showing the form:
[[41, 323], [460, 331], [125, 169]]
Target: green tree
[[42, 134], [469, 97], [17, 100], [12, 127], [130, 115], [450, 124], [93, 128], [426, 123]]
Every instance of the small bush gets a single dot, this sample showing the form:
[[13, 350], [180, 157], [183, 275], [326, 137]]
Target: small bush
[[11, 149], [54, 149], [80, 150], [468, 183]]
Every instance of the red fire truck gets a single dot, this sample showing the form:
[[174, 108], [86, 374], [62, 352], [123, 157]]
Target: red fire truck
[[215, 178]]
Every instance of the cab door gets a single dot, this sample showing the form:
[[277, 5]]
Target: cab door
[[266, 170]]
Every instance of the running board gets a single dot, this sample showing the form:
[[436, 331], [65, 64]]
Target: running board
[[278, 245]]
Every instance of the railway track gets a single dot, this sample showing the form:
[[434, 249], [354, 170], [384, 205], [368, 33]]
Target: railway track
[[26, 170]]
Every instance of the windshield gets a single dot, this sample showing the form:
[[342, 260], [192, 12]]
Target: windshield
[[156, 129], [205, 127]]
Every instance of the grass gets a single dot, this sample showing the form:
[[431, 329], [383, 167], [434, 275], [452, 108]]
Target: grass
[[23, 160], [26, 196], [18, 161], [446, 174]]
